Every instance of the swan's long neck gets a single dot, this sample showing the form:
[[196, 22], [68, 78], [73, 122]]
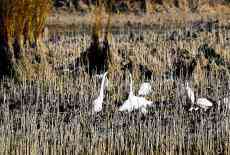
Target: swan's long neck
[[102, 85], [131, 86], [187, 89]]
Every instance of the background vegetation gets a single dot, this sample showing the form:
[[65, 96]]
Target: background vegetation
[[54, 116], [144, 5], [21, 26]]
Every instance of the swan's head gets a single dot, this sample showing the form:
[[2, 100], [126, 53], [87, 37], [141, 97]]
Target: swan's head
[[186, 84], [105, 81], [130, 76], [105, 73]]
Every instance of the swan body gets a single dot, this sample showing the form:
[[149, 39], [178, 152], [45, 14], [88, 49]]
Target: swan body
[[145, 89], [204, 103], [97, 103], [135, 102], [200, 102]]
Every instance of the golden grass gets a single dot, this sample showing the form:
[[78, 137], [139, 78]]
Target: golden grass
[[21, 27], [22, 19], [164, 130]]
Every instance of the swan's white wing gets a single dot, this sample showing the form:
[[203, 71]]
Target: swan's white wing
[[142, 102], [145, 89], [135, 103], [204, 103], [127, 106]]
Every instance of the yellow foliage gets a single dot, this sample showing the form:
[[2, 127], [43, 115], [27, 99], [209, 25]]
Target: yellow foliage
[[22, 19]]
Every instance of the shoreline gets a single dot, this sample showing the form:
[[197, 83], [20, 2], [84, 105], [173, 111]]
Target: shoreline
[[75, 21]]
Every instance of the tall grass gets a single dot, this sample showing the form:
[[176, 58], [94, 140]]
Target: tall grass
[[54, 117]]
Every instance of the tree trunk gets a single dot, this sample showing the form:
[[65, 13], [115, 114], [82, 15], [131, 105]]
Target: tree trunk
[[159, 2], [18, 47], [176, 3], [144, 4], [7, 59]]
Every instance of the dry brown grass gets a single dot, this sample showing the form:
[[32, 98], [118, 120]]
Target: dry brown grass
[[55, 114], [48, 128]]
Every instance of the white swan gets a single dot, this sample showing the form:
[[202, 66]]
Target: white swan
[[204, 103], [145, 89], [134, 102], [200, 102], [97, 103]]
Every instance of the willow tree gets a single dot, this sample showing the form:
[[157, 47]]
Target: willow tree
[[21, 26], [97, 57]]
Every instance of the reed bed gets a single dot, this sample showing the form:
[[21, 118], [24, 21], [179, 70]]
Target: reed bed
[[54, 117]]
